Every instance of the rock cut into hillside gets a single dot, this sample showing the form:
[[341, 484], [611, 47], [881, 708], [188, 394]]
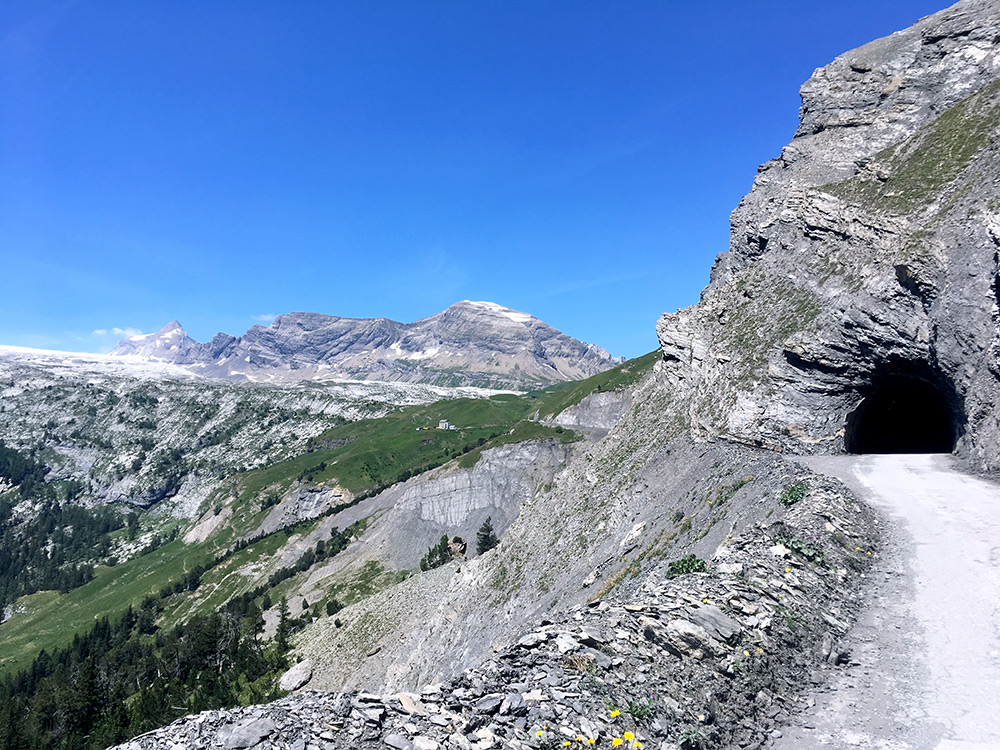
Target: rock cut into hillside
[[864, 261]]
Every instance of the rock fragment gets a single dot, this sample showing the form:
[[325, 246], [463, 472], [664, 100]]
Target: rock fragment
[[297, 676]]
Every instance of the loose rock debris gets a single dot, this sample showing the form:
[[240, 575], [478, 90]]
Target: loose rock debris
[[714, 659]]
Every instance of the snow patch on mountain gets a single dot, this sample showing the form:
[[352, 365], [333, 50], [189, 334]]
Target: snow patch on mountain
[[477, 344]]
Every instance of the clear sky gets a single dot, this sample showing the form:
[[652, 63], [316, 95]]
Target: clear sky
[[222, 162]]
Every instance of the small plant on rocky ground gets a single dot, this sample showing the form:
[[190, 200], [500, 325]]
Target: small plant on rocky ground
[[725, 492], [691, 738], [793, 494], [687, 564], [544, 738], [792, 621], [627, 740], [594, 685], [584, 663], [641, 711], [808, 549]]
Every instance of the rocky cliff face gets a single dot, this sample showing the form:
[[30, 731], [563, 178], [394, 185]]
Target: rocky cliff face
[[470, 343], [861, 281], [393, 626]]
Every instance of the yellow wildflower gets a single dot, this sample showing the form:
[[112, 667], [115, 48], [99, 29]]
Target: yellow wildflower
[[701, 717], [637, 745], [788, 570], [538, 733], [615, 713], [759, 650], [746, 653], [705, 601], [579, 738], [616, 742], [629, 736], [565, 743], [591, 741]]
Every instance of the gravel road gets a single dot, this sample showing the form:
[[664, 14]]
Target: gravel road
[[925, 655]]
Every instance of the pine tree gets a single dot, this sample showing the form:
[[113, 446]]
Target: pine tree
[[437, 554], [281, 636], [486, 538], [444, 550]]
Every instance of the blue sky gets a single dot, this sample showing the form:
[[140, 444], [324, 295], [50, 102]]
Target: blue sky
[[222, 162]]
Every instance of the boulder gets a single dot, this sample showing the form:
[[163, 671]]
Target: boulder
[[297, 676], [245, 734]]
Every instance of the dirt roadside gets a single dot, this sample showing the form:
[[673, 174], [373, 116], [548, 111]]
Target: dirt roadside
[[925, 654]]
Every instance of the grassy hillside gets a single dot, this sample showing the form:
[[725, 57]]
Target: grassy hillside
[[49, 619], [374, 453], [556, 400], [362, 456]]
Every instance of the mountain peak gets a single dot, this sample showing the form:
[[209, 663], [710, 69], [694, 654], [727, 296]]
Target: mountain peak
[[171, 327], [162, 346], [471, 343], [492, 308]]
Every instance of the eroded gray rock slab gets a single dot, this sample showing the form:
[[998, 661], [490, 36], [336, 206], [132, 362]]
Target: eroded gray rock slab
[[247, 733], [297, 676]]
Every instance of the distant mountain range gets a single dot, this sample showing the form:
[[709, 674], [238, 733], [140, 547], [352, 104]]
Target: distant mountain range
[[471, 343]]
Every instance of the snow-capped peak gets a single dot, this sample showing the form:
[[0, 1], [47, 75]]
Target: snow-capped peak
[[493, 307]]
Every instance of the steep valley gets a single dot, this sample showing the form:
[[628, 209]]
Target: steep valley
[[667, 569], [247, 479]]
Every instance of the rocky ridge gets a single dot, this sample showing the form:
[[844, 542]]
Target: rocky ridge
[[142, 432], [866, 252], [714, 658], [469, 344]]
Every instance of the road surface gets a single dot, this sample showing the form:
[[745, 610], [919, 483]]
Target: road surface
[[925, 671]]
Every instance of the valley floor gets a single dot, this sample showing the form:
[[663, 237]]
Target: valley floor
[[925, 655]]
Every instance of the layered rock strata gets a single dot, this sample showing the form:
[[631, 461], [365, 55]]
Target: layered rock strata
[[867, 252]]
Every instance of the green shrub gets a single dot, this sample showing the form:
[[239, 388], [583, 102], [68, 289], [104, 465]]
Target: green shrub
[[808, 549], [793, 494], [687, 564], [691, 739]]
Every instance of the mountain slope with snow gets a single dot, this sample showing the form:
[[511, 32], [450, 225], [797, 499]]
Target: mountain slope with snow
[[471, 343]]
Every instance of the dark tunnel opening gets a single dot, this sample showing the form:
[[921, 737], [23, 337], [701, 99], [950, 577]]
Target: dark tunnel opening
[[903, 414]]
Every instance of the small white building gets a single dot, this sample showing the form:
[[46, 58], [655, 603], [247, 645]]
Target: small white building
[[444, 424]]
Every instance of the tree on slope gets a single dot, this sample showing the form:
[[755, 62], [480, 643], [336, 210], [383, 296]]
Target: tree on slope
[[486, 538]]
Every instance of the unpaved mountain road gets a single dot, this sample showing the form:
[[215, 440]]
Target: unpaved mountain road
[[925, 654]]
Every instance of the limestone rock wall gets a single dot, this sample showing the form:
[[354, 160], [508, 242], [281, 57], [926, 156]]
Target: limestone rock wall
[[869, 247], [456, 501]]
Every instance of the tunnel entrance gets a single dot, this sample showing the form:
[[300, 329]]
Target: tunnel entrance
[[903, 414]]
